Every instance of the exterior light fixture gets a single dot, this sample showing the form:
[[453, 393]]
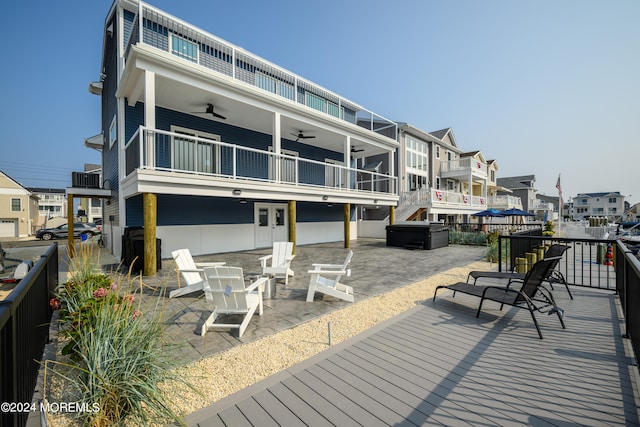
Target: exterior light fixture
[[325, 197], [237, 192], [243, 201]]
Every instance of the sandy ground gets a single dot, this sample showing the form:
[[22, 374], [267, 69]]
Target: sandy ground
[[233, 370]]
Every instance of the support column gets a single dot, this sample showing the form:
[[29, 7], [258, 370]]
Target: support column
[[149, 115], [70, 245], [292, 224], [347, 225], [277, 146], [149, 201], [392, 215]]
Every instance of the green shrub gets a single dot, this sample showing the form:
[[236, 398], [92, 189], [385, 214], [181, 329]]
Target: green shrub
[[117, 355]]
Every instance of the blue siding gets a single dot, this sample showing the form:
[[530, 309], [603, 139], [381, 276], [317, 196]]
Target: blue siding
[[194, 210], [129, 18], [191, 210], [320, 212]]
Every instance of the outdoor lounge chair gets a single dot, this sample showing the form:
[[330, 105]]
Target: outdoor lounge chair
[[530, 295], [554, 276], [280, 261], [325, 278], [231, 297], [191, 272]]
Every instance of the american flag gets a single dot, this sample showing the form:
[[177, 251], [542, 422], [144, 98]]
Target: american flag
[[559, 187]]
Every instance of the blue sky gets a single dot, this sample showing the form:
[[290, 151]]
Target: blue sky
[[544, 87]]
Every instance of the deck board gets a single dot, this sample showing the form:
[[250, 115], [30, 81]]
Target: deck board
[[440, 365]]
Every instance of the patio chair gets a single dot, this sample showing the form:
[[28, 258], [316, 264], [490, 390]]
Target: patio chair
[[191, 272], [554, 276], [280, 261], [231, 297], [530, 295], [325, 278]]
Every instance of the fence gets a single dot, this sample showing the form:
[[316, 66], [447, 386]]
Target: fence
[[24, 330], [628, 289], [588, 262]]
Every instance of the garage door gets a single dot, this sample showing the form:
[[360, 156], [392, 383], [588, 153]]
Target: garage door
[[8, 228]]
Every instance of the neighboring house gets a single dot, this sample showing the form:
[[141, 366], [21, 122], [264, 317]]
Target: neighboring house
[[89, 209], [546, 208], [632, 213], [438, 181], [212, 148], [605, 205], [521, 187], [52, 203], [18, 209]]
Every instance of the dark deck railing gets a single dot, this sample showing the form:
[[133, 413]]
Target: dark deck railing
[[628, 289], [588, 262], [24, 330]]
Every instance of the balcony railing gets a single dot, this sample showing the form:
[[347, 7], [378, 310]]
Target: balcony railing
[[505, 202], [464, 165], [172, 152], [430, 197], [156, 28]]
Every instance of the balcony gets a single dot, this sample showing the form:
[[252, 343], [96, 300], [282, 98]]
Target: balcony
[[432, 198], [505, 202], [463, 168], [213, 167], [190, 45]]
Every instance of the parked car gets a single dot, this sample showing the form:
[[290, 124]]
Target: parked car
[[61, 231]]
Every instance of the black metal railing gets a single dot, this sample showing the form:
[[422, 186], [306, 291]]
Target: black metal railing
[[85, 180], [628, 289], [588, 262], [24, 330]]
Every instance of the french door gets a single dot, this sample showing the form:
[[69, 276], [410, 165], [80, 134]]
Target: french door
[[271, 223]]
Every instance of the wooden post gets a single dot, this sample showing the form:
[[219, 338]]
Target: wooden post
[[347, 225], [292, 223], [71, 248], [392, 215], [150, 216]]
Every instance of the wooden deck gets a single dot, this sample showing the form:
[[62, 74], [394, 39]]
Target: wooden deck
[[437, 364]]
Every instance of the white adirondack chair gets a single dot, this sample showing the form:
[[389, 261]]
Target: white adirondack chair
[[226, 285], [325, 278], [280, 261], [191, 272]]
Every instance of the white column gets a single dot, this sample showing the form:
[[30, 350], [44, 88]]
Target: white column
[[277, 144], [150, 113], [347, 161]]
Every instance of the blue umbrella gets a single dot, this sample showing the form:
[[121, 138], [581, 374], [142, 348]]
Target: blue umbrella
[[516, 212], [489, 213]]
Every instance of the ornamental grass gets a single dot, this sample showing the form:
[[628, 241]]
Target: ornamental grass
[[114, 353]]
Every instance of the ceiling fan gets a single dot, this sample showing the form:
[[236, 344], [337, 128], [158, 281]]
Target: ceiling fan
[[300, 136], [209, 110], [354, 150]]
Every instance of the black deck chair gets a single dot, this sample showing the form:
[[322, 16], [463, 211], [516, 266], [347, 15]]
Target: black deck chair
[[530, 295], [554, 276]]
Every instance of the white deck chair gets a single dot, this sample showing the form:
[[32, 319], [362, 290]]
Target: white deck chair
[[325, 278], [280, 261], [226, 285], [191, 272]]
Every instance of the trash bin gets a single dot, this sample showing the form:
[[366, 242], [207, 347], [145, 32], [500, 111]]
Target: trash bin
[[133, 249]]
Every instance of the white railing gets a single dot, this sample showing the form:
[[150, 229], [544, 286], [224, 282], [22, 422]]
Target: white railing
[[467, 164], [505, 202], [424, 198], [156, 28], [172, 152]]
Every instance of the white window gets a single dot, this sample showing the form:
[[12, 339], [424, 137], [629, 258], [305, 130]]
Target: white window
[[437, 151], [113, 132], [184, 48], [195, 155], [16, 205]]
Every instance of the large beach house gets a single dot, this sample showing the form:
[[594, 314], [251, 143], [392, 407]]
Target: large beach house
[[212, 148]]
